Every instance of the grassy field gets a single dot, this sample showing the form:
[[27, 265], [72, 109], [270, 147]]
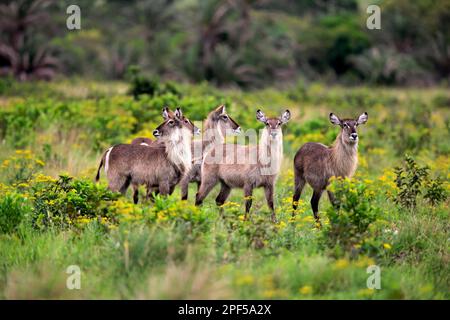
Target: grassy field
[[394, 213]]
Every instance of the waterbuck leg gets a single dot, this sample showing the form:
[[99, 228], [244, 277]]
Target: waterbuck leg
[[268, 190], [248, 193], [164, 188], [315, 203], [223, 194], [332, 199], [150, 192], [206, 186], [116, 183], [135, 193], [184, 185], [125, 184], [299, 184]]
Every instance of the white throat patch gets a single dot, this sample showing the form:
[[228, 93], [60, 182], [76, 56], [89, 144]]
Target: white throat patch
[[178, 148]]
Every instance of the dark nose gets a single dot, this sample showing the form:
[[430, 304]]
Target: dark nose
[[354, 135], [156, 133]]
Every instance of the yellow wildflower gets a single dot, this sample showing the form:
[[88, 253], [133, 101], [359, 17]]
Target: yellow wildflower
[[245, 280], [341, 264], [366, 292], [306, 290]]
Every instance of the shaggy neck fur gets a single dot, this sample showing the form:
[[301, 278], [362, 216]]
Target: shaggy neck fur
[[273, 149], [212, 132], [178, 149], [344, 157]]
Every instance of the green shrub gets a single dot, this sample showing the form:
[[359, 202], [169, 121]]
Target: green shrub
[[20, 167], [61, 202], [140, 85], [13, 209], [409, 180], [350, 221], [435, 192]]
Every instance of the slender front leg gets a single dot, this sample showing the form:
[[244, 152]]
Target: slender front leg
[[315, 203], [223, 194], [135, 193], [333, 199], [299, 184], [151, 191], [268, 190], [164, 188], [248, 193], [205, 188], [184, 185]]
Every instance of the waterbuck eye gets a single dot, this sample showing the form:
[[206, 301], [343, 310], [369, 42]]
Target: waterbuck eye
[[225, 118], [171, 122]]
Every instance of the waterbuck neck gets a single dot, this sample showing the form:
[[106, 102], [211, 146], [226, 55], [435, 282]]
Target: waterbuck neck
[[178, 149], [344, 157], [271, 151], [212, 132]]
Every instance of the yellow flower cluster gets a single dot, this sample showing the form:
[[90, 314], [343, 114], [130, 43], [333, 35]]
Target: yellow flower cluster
[[41, 178], [126, 211], [305, 290], [22, 159], [270, 290], [387, 182], [244, 280], [341, 264]]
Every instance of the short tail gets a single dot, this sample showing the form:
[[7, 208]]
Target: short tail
[[102, 162]]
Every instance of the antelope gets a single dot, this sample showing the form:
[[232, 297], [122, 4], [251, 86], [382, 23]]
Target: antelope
[[216, 125], [260, 167], [316, 163], [159, 165]]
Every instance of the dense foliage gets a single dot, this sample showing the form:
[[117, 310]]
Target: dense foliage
[[229, 42]]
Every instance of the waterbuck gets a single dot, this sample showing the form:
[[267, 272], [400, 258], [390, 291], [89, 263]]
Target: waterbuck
[[159, 165], [215, 128], [316, 163], [245, 167]]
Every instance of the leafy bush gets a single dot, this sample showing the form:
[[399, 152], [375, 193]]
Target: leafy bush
[[60, 202], [413, 180], [435, 192], [20, 167], [351, 219], [13, 208], [409, 180], [140, 85]]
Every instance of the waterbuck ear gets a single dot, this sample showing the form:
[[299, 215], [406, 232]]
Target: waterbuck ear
[[165, 113], [260, 116], [362, 118], [220, 109], [285, 116], [335, 119], [178, 113]]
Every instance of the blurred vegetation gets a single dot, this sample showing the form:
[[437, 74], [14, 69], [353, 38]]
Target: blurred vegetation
[[245, 43]]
